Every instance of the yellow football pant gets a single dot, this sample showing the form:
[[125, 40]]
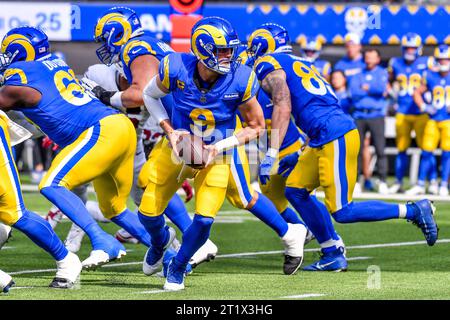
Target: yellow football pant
[[332, 167], [103, 154], [11, 200], [404, 124], [435, 132]]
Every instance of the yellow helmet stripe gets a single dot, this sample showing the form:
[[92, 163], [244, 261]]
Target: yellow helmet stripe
[[217, 36], [132, 44], [114, 17], [23, 41], [266, 35], [103, 20]]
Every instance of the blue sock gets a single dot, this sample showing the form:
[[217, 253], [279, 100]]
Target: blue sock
[[72, 206], [266, 211], [401, 162], [40, 232], [130, 222], [290, 216], [177, 213], [311, 212], [367, 211], [433, 171], [445, 167], [156, 227], [327, 218], [194, 237]]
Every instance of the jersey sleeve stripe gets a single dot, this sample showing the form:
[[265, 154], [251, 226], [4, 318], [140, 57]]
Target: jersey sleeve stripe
[[13, 71], [166, 79], [248, 89]]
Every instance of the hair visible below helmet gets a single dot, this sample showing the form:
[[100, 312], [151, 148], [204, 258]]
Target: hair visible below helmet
[[411, 40], [114, 28], [442, 52], [208, 36], [268, 38], [24, 44], [313, 45]]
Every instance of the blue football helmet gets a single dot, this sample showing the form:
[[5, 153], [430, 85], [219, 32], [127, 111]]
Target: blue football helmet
[[310, 48], [411, 40], [114, 28], [442, 52], [211, 34], [23, 44], [268, 38]]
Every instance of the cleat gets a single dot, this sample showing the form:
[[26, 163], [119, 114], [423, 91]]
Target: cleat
[[153, 259], [124, 237], [206, 253], [383, 188], [358, 189], [6, 282], [331, 261], [294, 241], [368, 185], [433, 188], [395, 188], [175, 277], [416, 190], [5, 234], [168, 256], [341, 246], [443, 191], [176, 245], [54, 216], [69, 270], [74, 239], [105, 253], [309, 236], [424, 219]]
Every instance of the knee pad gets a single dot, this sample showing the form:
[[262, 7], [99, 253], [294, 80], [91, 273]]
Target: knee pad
[[293, 194]]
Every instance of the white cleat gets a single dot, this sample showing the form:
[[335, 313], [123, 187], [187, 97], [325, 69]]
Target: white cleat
[[5, 234], [416, 190], [443, 191], [74, 239], [395, 188], [293, 241], [54, 216], [98, 258], [206, 253], [150, 269], [383, 188], [170, 286], [6, 282], [68, 271], [433, 188], [123, 236], [358, 189]]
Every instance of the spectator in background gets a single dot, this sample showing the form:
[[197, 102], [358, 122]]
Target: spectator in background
[[353, 62], [368, 90], [310, 49], [339, 84]]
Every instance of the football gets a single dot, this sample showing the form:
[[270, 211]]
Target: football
[[191, 150]]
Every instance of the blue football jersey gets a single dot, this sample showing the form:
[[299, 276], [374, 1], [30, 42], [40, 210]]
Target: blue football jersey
[[315, 108], [409, 78], [323, 66], [66, 109], [210, 114], [439, 87], [350, 67], [139, 46]]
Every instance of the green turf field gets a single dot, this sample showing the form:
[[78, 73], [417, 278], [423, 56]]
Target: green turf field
[[407, 270]]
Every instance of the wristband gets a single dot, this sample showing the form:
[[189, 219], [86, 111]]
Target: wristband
[[227, 143], [116, 100], [272, 152]]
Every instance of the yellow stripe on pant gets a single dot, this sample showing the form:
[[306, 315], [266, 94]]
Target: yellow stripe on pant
[[332, 167], [11, 199], [103, 154]]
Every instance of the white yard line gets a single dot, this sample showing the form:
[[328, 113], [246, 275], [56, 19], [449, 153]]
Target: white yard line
[[244, 254], [304, 296], [153, 291], [18, 288]]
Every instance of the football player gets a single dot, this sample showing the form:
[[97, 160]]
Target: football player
[[310, 49], [12, 208], [97, 143], [208, 88], [330, 159], [437, 128], [405, 74], [137, 56], [353, 62]]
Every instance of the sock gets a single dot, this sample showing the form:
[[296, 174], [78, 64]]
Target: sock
[[367, 211], [194, 237], [266, 211], [177, 213], [310, 211], [433, 171], [75, 210], [327, 218], [445, 168], [130, 222], [290, 216], [156, 227], [401, 162], [42, 234]]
